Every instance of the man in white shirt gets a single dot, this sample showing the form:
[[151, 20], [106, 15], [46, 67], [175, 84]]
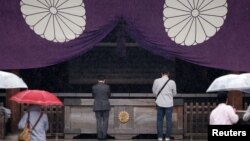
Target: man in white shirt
[[7, 115], [223, 114], [246, 116], [164, 101], [7, 112]]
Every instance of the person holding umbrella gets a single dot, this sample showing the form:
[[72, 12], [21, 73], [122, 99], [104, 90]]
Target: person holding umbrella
[[38, 122], [223, 114], [246, 116], [7, 115], [37, 119]]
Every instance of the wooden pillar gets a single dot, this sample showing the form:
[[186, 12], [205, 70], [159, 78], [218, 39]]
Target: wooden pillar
[[235, 99], [15, 110], [14, 107]]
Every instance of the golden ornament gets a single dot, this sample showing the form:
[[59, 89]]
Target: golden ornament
[[123, 117]]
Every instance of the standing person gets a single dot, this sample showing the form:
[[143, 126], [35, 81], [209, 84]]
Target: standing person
[[164, 89], [223, 114], [7, 115], [101, 94], [38, 120], [246, 116]]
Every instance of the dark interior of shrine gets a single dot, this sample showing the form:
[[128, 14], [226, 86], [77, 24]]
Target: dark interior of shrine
[[128, 69]]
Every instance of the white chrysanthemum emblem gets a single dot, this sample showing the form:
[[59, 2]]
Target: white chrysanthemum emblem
[[191, 22], [55, 20]]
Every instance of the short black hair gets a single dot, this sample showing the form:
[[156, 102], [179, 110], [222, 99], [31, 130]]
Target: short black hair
[[101, 77], [165, 72], [222, 97]]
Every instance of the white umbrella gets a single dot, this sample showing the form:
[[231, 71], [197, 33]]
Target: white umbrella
[[10, 80], [240, 82]]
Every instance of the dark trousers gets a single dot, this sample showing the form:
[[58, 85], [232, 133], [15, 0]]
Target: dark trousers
[[102, 118], [161, 112], [7, 127]]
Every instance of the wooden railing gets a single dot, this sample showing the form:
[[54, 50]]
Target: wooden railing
[[196, 118], [55, 118]]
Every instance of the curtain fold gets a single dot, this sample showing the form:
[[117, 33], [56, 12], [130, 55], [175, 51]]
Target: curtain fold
[[213, 34]]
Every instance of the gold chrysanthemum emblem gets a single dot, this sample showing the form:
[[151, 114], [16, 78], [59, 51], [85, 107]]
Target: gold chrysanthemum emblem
[[123, 117]]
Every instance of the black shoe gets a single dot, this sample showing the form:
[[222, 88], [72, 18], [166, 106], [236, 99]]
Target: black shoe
[[172, 138]]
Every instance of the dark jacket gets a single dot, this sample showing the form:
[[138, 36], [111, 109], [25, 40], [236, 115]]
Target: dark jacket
[[101, 94]]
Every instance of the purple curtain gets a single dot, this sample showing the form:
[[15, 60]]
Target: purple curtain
[[25, 43]]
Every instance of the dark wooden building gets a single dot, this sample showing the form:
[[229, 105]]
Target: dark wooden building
[[130, 70]]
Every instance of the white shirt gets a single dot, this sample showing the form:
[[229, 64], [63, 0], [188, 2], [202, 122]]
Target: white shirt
[[165, 98], [39, 133], [7, 113], [246, 116], [223, 115]]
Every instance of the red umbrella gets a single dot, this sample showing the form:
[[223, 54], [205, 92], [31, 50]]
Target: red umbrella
[[39, 97]]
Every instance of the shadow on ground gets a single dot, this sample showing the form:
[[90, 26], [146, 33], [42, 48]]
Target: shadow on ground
[[148, 136], [90, 136], [94, 136], [145, 136]]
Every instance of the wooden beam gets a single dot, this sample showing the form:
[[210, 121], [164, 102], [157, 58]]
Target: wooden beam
[[13, 106]]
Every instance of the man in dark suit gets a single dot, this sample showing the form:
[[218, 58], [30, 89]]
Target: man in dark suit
[[101, 94]]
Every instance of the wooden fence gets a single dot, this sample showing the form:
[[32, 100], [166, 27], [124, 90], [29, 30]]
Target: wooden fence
[[56, 120], [196, 118]]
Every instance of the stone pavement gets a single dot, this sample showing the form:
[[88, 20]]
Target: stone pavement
[[13, 137]]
